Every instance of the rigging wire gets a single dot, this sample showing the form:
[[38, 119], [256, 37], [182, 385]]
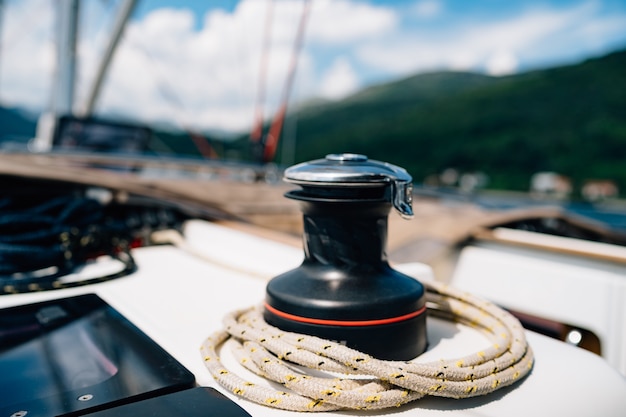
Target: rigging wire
[[167, 92], [277, 126], [257, 128], [107, 51], [270, 142]]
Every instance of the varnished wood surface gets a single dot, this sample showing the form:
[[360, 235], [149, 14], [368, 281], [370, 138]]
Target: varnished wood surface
[[260, 207]]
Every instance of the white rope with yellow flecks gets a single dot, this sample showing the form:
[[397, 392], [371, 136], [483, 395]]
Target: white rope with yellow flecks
[[272, 353]]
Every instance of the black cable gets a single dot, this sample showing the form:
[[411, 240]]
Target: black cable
[[44, 239]]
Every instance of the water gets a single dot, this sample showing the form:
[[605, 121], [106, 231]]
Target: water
[[612, 213], [612, 217]]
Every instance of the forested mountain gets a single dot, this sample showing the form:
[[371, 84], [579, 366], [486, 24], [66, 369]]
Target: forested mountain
[[16, 125], [571, 120]]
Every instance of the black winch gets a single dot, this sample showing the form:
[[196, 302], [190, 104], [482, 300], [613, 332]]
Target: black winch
[[345, 290]]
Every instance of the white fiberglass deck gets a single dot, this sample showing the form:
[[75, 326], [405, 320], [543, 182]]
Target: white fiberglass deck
[[179, 299]]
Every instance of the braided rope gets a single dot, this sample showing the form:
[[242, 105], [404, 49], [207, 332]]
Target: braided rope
[[272, 354]]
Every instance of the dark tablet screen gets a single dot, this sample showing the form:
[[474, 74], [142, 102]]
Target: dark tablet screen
[[78, 354]]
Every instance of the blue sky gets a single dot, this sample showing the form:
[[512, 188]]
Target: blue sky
[[197, 63]]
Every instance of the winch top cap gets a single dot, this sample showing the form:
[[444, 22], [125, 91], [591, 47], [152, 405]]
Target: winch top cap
[[356, 170], [345, 168]]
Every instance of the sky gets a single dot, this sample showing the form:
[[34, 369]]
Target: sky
[[197, 64]]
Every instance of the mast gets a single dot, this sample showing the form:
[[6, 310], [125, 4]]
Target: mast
[[67, 26], [63, 82]]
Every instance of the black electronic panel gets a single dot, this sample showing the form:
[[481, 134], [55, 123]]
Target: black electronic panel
[[78, 355], [88, 134], [195, 402]]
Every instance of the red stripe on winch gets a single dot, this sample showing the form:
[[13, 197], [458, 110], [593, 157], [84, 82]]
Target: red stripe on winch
[[354, 323]]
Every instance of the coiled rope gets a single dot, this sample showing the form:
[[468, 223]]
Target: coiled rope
[[271, 353]]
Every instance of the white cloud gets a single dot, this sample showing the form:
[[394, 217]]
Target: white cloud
[[501, 63], [209, 77], [462, 61], [427, 9], [340, 80], [343, 21], [201, 78], [537, 33], [27, 53]]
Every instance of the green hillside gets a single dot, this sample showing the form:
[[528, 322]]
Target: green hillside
[[571, 120], [15, 125]]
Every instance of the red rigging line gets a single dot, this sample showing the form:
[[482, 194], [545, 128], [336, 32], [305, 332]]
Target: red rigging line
[[203, 145], [270, 143]]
